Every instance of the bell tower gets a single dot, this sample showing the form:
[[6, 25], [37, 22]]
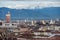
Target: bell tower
[[8, 17]]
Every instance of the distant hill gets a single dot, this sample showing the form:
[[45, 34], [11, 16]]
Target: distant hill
[[45, 13]]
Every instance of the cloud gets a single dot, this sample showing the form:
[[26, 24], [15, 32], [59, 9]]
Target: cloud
[[49, 4], [29, 0], [28, 4]]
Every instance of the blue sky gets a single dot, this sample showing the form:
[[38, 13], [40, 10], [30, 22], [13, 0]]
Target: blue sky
[[30, 4]]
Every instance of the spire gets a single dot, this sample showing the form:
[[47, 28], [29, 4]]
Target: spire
[[52, 22]]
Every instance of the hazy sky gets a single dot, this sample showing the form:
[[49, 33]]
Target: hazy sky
[[30, 4], [31, 0]]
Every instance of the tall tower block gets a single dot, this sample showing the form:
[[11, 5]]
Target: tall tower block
[[8, 17]]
